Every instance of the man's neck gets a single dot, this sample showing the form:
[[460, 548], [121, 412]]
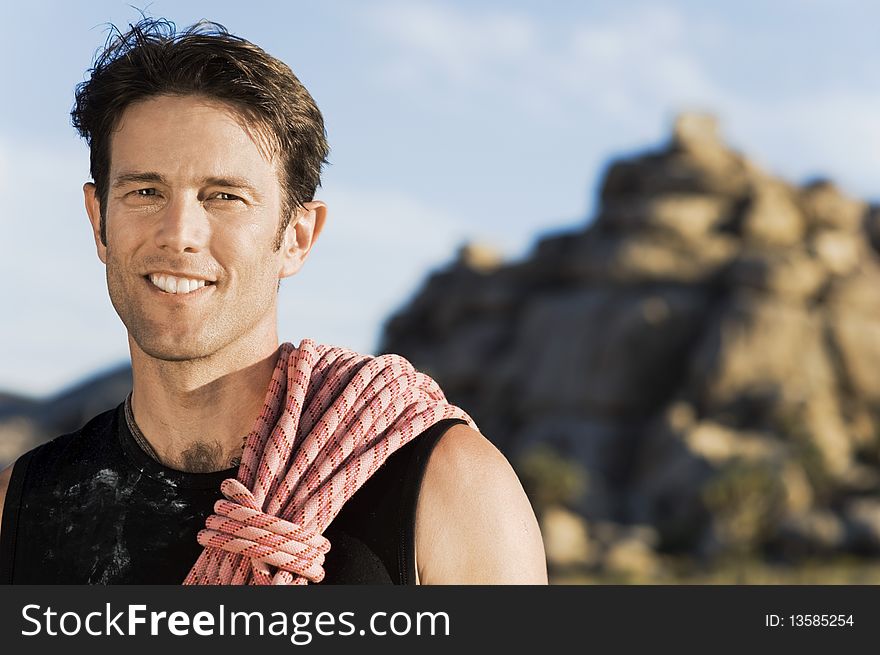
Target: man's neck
[[196, 414]]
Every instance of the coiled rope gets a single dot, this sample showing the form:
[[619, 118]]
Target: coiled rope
[[331, 417]]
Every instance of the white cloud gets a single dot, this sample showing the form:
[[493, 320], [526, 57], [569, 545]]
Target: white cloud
[[641, 55], [455, 43], [632, 63], [622, 72]]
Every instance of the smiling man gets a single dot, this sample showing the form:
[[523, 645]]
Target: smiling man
[[336, 467]]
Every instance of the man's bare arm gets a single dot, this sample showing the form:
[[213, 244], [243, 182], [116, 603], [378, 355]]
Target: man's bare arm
[[474, 523], [5, 474]]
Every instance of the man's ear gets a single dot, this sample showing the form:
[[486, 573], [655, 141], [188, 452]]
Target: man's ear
[[301, 233], [93, 209]]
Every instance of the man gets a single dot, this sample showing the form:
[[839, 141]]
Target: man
[[205, 156]]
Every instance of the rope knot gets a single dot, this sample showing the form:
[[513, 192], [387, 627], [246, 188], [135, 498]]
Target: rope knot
[[240, 527]]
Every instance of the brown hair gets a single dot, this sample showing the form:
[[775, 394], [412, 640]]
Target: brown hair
[[153, 59]]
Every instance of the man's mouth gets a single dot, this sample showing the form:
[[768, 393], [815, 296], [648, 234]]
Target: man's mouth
[[176, 285]]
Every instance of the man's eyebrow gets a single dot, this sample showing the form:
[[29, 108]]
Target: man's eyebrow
[[234, 182], [146, 176]]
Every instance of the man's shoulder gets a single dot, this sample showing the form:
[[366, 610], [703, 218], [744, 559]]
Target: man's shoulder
[[58, 448], [474, 523], [5, 475], [57, 451]]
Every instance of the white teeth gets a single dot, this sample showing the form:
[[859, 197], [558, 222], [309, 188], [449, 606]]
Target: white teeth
[[176, 285]]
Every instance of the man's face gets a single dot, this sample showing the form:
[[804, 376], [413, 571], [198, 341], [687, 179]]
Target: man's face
[[192, 204]]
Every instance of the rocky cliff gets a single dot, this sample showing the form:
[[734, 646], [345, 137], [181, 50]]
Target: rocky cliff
[[705, 354]]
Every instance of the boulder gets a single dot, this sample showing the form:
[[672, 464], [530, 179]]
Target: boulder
[[758, 353], [853, 323], [632, 559], [857, 341], [862, 517], [825, 206], [612, 353], [695, 161], [721, 173], [690, 216], [480, 257], [790, 273], [771, 216], [855, 293], [566, 538], [649, 257], [627, 551], [718, 444], [819, 532], [841, 252]]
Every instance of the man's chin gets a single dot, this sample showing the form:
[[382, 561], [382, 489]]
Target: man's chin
[[177, 351]]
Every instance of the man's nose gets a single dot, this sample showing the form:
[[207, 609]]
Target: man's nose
[[183, 226]]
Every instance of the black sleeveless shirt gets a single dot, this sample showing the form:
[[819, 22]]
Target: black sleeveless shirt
[[91, 507]]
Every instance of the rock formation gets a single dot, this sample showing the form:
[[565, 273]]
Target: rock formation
[[707, 350]]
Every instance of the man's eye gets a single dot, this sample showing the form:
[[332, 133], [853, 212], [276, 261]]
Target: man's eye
[[226, 196], [145, 192]]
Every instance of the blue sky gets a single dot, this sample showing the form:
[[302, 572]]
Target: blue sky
[[448, 121]]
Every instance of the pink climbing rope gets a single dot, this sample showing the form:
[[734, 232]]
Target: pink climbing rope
[[331, 417]]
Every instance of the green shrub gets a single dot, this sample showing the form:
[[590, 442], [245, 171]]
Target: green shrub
[[551, 479]]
